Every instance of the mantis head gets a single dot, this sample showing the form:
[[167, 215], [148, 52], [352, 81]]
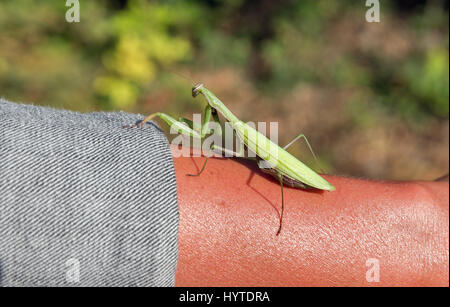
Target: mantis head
[[196, 89]]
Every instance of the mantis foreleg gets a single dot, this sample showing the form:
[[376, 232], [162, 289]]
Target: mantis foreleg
[[207, 130]]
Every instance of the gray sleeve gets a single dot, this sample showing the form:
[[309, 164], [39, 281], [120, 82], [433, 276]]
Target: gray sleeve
[[83, 201]]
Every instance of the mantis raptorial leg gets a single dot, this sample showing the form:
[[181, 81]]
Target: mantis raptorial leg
[[209, 112]]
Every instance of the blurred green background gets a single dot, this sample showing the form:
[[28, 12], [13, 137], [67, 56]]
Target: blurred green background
[[373, 98]]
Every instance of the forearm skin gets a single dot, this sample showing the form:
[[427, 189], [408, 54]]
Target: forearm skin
[[229, 216]]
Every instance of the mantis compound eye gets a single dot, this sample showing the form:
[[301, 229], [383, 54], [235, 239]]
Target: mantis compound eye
[[196, 88]]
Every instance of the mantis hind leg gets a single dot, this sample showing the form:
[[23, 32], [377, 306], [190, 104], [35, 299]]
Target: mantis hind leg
[[280, 177], [302, 136]]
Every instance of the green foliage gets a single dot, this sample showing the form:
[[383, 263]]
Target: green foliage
[[43, 59], [427, 81], [116, 56], [144, 39]]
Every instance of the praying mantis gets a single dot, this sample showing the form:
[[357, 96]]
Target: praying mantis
[[270, 157]]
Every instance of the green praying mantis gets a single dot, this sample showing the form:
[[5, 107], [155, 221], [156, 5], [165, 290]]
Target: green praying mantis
[[270, 157]]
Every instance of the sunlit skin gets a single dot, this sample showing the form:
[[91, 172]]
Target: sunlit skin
[[228, 216]]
